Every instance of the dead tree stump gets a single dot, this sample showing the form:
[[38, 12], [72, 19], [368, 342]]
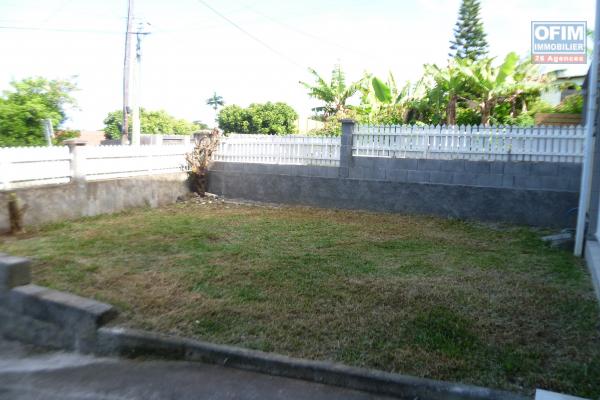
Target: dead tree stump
[[15, 214], [199, 159]]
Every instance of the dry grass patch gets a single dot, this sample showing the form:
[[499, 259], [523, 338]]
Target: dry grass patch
[[437, 298]]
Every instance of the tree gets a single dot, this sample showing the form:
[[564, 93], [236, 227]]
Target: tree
[[152, 122], [492, 83], [269, 118], [527, 85], [469, 37], [383, 102], [215, 102], [27, 104], [450, 83], [334, 93]]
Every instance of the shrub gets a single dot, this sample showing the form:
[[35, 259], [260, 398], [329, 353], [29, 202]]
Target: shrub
[[269, 118]]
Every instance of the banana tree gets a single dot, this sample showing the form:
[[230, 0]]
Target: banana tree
[[334, 94], [527, 80], [449, 82], [492, 83], [380, 96]]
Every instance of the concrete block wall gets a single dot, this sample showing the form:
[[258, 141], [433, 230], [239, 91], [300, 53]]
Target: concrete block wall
[[309, 186], [501, 174], [528, 193]]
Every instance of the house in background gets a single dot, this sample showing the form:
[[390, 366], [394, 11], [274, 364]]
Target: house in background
[[566, 84], [92, 138]]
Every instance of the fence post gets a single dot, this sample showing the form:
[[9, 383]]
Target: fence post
[[77, 159], [4, 171], [348, 128]]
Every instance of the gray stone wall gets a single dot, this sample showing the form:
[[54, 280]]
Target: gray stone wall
[[54, 203], [411, 186], [500, 174]]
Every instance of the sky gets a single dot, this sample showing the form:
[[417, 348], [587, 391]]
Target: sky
[[192, 52]]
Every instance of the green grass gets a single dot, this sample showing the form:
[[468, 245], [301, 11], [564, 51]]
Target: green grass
[[424, 296]]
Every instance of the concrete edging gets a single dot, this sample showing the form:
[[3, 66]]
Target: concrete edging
[[118, 341]]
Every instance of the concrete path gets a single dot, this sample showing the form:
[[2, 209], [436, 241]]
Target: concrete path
[[27, 373]]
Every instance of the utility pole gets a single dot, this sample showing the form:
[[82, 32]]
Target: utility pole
[[137, 86], [127, 75], [48, 131]]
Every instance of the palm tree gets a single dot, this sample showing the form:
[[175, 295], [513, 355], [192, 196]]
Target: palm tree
[[334, 94], [215, 102]]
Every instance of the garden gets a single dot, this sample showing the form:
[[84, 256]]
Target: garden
[[483, 304]]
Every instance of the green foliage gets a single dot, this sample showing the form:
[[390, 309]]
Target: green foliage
[[201, 125], [215, 101], [269, 118], [63, 135], [152, 122], [334, 94], [27, 104], [331, 127], [383, 93], [572, 104], [384, 102], [467, 116], [469, 37], [465, 91], [540, 106]]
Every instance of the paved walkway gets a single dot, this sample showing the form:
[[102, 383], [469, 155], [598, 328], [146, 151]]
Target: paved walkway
[[29, 374]]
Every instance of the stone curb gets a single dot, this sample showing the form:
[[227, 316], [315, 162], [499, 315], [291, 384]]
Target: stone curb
[[129, 342]]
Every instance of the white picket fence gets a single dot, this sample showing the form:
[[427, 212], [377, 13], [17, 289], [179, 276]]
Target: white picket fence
[[33, 166], [270, 149], [552, 143]]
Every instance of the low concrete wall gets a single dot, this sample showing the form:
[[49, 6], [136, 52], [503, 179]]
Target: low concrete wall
[[70, 201], [482, 192], [46, 317]]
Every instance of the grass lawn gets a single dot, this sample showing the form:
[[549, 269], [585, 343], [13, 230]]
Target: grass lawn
[[424, 296]]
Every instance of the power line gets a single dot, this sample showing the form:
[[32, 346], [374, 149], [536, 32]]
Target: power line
[[33, 28], [300, 31], [251, 36], [319, 39], [55, 12]]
